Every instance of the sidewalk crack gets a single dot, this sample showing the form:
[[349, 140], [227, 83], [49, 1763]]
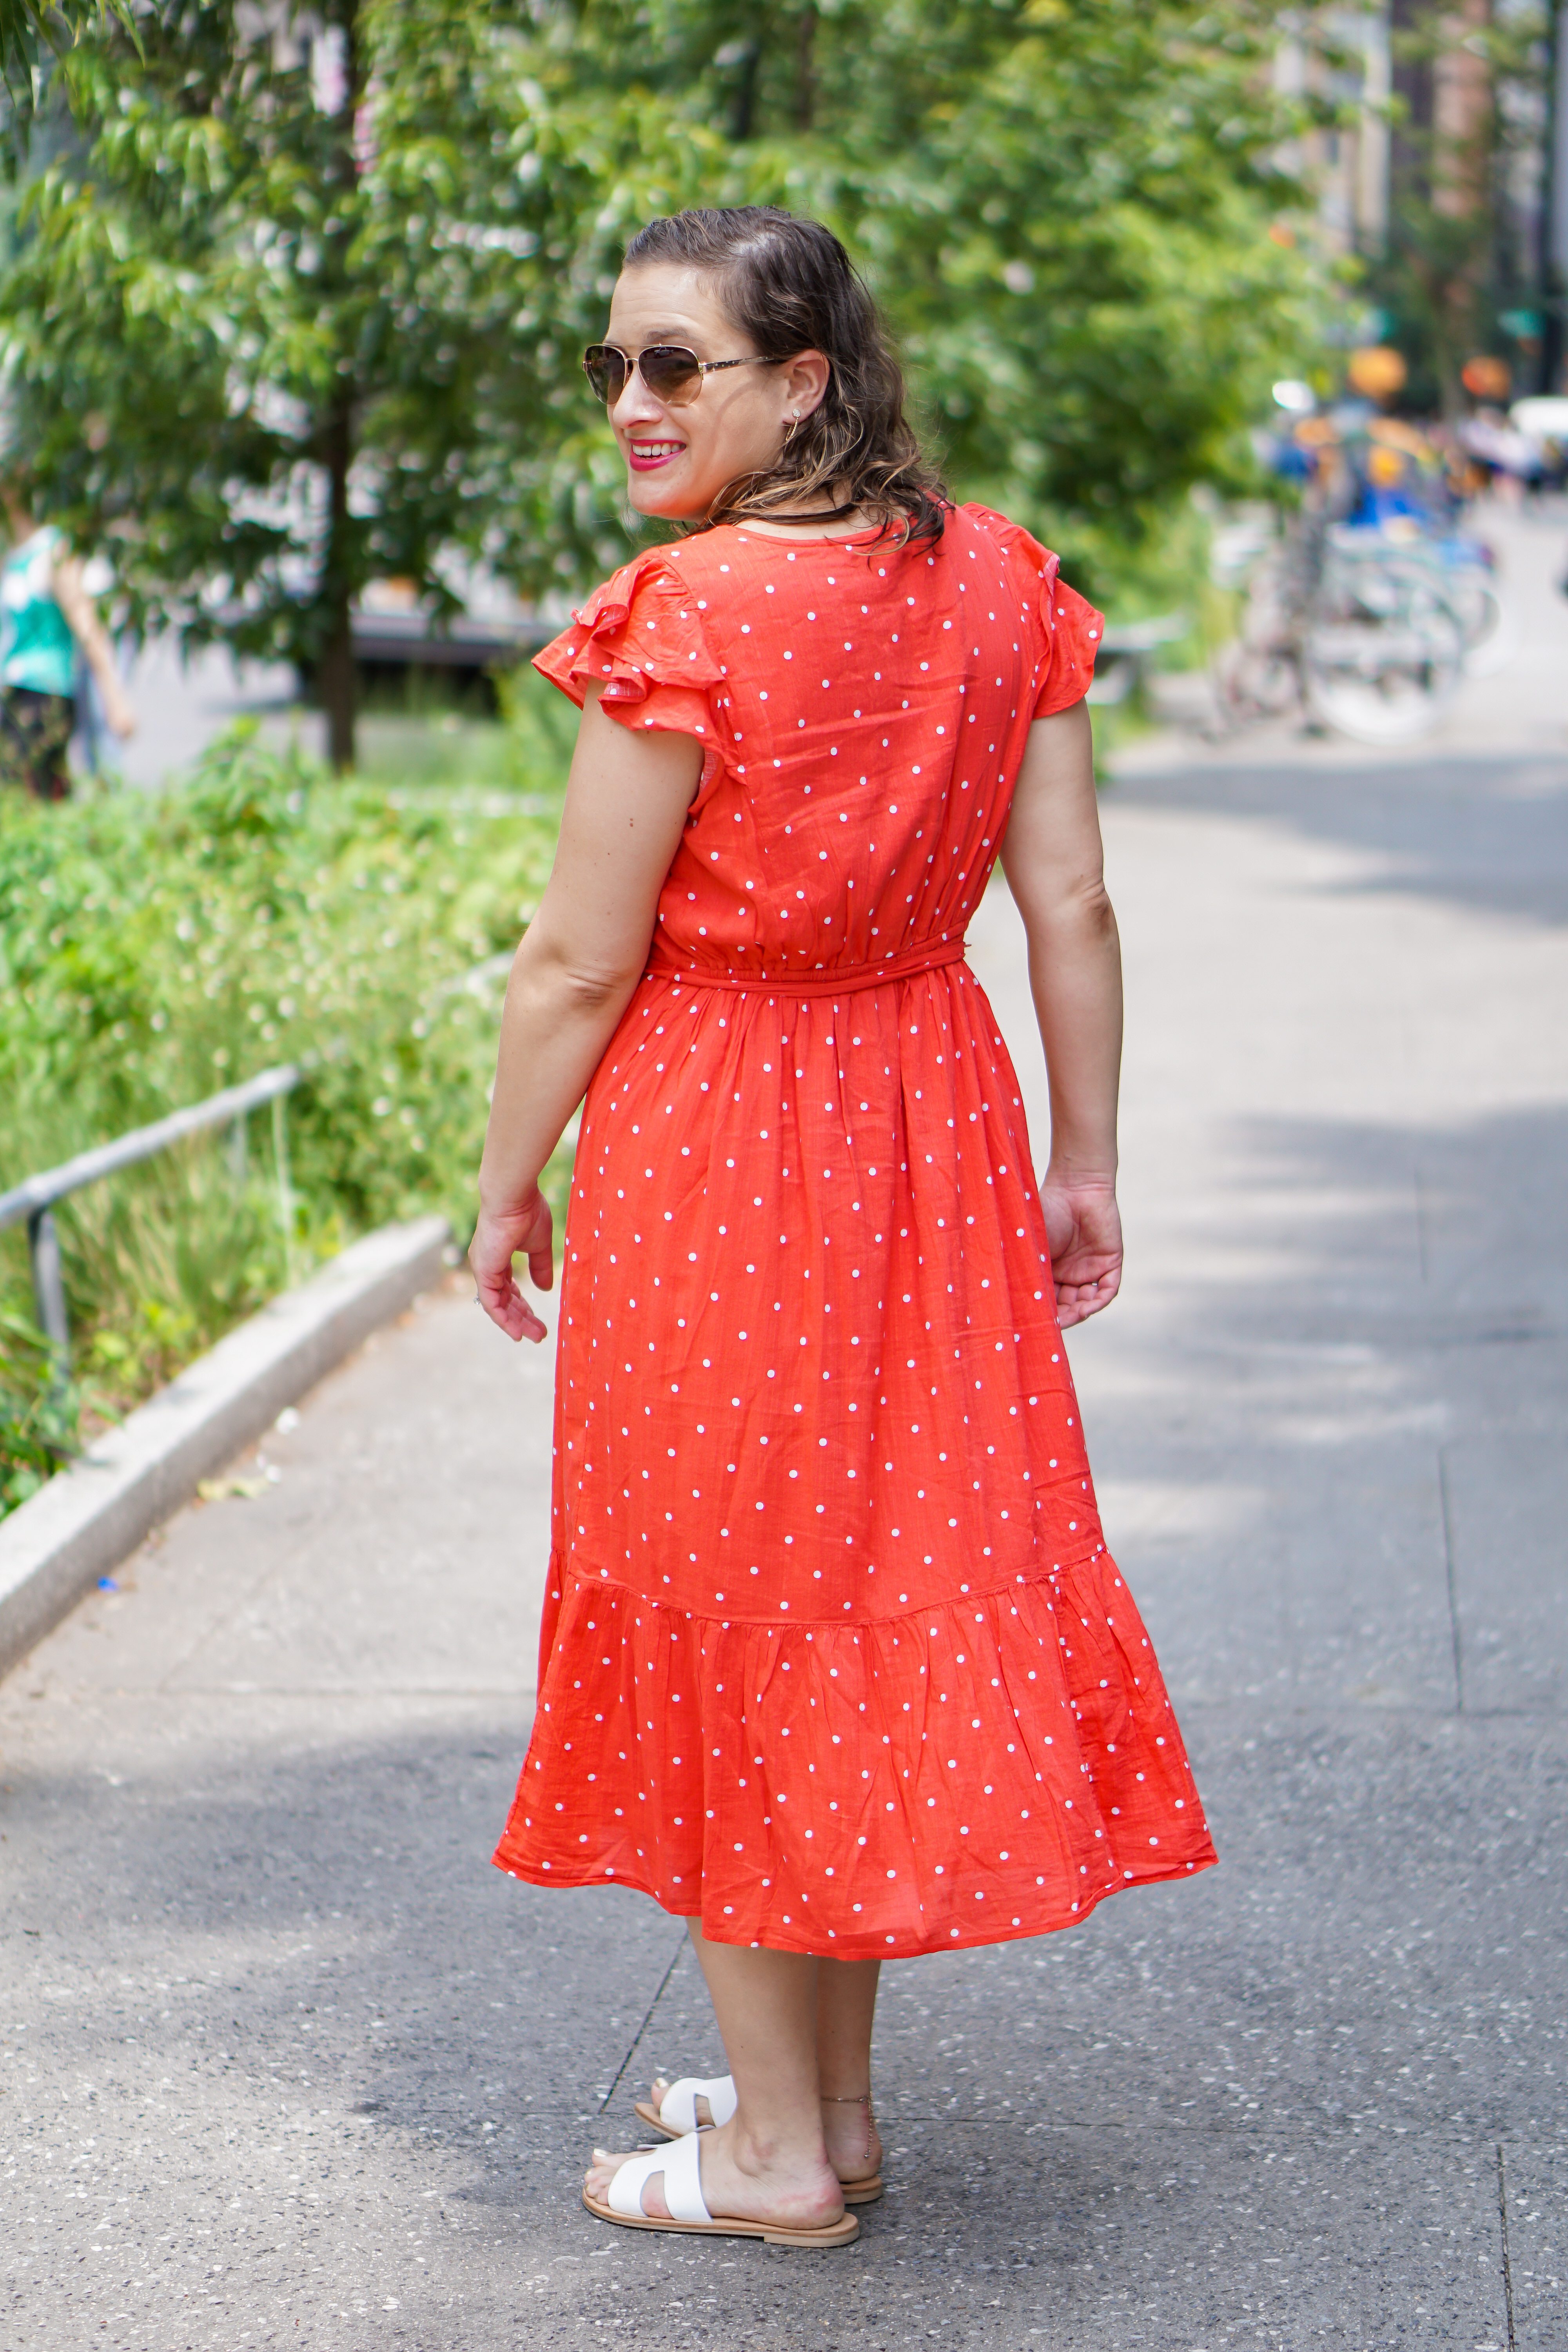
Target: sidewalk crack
[[1453, 1582], [647, 2019], [1507, 2264]]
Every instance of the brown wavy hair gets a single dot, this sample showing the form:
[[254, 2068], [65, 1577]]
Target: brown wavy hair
[[789, 286]]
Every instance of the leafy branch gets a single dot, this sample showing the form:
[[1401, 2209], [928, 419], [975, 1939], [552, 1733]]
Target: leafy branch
[[32, 37]]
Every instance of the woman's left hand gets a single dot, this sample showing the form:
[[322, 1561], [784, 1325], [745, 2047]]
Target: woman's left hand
[[498, 1237], [1083, 1227]]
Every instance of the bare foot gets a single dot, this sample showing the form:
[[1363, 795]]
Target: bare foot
[[854, 2144], [848, 2128], [742, 2182]]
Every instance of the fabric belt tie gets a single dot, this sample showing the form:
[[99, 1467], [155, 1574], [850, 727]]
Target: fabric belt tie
[[843, 979]]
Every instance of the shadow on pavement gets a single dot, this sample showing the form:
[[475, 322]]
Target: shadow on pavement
[[1500, 841]]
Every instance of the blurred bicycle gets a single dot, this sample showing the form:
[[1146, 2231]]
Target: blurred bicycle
[[1492, 634], [1367, 607], [1396, 489], [1343, 631]]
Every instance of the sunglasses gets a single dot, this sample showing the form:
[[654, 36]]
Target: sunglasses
[[673, 374]]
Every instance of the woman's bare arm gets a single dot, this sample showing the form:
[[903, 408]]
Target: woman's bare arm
[[1055, 867], [571, 979], [82, 619]]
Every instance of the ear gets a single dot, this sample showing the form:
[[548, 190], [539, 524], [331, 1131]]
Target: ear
[[805, 381]]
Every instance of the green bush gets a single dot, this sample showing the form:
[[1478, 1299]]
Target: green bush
[[155, 948], [37, 1414]]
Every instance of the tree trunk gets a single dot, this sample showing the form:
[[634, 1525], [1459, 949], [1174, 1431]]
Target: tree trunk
[[1553, 259], [743, 105], [335, 681]]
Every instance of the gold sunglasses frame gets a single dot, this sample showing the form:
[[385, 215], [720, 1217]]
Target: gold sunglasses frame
[[632, 361]]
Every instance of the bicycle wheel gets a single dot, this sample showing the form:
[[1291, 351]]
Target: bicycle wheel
[[1384, 651], [1491, 632], [1255, 681], [1256, 676]]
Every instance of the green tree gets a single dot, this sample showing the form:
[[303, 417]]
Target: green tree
[[284, 316], [1070, 209], [32, 34], [288, 315]]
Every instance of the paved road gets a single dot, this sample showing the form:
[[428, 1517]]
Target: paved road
[[287, 2064]]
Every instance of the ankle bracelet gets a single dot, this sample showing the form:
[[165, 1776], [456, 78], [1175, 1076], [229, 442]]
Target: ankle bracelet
[[844, 2098]]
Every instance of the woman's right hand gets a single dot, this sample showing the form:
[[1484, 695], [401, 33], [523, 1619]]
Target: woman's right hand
[[498, 1237], [1083, 1228]]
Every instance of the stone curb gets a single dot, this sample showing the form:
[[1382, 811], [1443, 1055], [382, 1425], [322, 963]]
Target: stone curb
[[77, 1526]]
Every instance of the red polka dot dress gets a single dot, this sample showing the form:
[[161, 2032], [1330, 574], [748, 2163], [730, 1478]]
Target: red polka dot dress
[[834, 1654]]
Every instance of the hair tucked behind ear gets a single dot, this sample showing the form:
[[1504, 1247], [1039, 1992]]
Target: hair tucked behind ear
[[790, 286]]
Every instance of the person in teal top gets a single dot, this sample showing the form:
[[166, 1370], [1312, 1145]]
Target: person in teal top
[[48, 617]]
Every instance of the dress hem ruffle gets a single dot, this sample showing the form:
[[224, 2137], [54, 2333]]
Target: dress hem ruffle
[[868, 1946], [981, 1767]]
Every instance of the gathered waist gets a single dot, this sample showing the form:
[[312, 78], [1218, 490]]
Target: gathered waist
[[836, 980]]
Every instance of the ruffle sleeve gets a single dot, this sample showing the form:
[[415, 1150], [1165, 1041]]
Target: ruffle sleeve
[[1074, 629], [1071, 627], [639, 638]]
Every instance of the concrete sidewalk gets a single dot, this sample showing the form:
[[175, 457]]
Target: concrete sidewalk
[[287, 2064]]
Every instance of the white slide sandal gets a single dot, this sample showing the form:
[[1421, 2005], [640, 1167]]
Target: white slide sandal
[[676, 2115], [681, 2165]]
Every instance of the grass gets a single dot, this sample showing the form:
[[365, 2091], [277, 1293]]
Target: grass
[[157, 947]]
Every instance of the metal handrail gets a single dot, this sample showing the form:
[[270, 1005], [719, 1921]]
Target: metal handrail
[[34, 1200]]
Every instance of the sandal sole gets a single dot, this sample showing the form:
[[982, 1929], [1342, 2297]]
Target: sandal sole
[[840, 2233]]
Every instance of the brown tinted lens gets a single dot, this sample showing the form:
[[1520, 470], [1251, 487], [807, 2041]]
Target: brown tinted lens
[[605, 369], [671, 374]]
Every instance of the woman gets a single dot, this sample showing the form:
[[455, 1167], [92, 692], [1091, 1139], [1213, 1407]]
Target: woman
[[49, 614], [835, 1662]]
